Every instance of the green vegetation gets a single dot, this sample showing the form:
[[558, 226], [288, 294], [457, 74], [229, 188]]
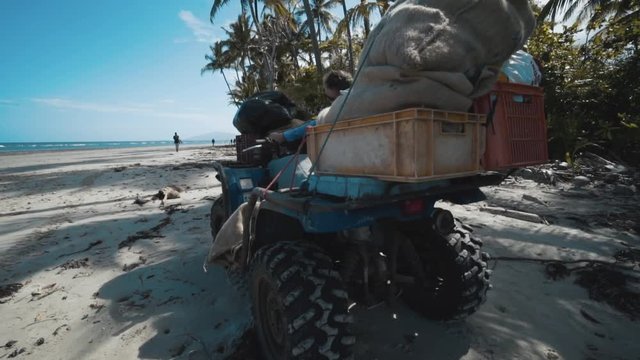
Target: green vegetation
[[287, 44], [590, 77], [592, 96]]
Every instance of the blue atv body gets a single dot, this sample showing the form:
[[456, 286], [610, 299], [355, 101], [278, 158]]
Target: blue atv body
[[329, 203], [314, 247]]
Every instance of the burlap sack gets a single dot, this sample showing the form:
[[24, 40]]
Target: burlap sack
[[226, 247], [434, 53]]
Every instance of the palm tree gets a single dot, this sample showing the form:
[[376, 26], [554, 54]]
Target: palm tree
[[218, 60], [279, 32], [314, 39], [245, 87], [239, 42], [602, 15], [595, 9], [273, 28], [289, 33], [278, 7], [322, 15], [252, 5], [348, 29], [361, 13]]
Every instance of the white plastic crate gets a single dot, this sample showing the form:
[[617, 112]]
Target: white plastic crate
[[410, 145]]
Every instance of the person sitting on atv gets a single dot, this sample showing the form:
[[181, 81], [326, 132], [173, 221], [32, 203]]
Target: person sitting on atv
[[333, 82]]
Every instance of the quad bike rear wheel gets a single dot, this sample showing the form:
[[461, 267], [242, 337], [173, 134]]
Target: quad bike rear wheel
[[457, 278], [218, 216], [299, 303]]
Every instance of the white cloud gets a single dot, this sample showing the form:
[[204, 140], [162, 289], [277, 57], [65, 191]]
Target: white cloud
[[202, 31], [143, 109]]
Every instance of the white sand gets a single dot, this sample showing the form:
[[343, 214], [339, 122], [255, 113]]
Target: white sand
[[55, 204]]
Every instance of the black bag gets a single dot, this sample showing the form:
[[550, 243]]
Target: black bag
[[263, 112]]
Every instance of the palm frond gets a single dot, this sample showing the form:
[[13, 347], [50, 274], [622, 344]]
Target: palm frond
[[362, 11], [625, 21], [217, 4], [278, 7], [552, 8]]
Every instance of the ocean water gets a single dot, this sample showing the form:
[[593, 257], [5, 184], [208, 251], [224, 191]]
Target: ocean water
[[87, 145]]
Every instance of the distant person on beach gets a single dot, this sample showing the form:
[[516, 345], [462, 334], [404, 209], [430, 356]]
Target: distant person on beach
[[176, 140], [213, 142]]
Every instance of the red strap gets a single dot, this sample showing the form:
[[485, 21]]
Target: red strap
[[275, 178]]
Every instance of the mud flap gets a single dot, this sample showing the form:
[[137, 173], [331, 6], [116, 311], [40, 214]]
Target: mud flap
[[466, 197]]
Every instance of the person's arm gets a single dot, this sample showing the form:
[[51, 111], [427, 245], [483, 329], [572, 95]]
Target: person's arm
[[297, 133]]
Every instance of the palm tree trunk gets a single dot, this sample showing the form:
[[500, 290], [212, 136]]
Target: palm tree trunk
[[228, 86], [271, 67], [254, 16], [266, 68], [294, 57], [349, 41], [367, 27], [314, 38], [365, 20], [238, 65]]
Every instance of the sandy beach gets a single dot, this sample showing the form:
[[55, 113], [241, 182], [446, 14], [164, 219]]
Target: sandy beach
[[86, 273]]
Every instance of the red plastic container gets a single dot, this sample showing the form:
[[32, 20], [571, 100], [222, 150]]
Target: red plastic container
[[517, 133]]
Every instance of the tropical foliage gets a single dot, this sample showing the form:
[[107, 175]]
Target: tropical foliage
[[590, 63], [288, 44], [591, 68]]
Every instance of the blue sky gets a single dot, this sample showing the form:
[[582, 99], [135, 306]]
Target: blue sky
[[80, 70], [77, 70]]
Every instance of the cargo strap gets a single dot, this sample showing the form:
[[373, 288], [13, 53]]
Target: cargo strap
[[295, 157]]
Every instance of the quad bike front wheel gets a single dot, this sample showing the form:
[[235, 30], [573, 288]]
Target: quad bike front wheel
[[218, 216], [299, 303], [455, 270]]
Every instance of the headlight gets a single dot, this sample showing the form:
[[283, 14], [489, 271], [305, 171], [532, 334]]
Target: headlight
[[246, 184]]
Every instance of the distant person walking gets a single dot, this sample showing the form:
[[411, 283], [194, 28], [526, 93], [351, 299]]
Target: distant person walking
[[176, 140], [213, 142]]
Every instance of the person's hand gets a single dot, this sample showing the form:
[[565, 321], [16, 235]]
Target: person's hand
[[277, 137]]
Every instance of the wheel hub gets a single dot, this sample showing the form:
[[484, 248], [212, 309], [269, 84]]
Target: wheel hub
[[443, 221], [271, 319], [274, 318]]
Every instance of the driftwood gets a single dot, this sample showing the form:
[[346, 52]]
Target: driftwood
[[616, 264], [520, 215], [95, 243]]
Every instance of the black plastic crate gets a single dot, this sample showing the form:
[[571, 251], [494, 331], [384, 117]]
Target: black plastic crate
[[257, 156]]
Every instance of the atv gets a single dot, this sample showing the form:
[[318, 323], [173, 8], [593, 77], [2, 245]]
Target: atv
[[313, 245]]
